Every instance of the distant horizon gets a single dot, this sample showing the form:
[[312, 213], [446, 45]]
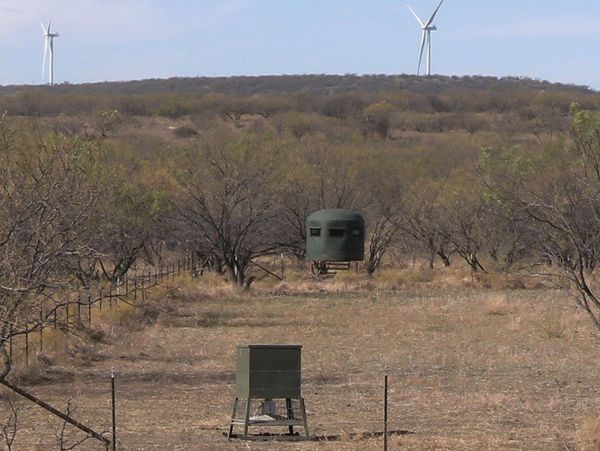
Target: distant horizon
[[433, 76], [126, 40]]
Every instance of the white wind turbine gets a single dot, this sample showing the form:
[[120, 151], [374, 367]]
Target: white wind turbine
[[427, 28], [48, 52]]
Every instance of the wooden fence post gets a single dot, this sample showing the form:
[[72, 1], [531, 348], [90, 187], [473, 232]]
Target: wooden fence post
[[10, 343], [26, 344], [41, 328]]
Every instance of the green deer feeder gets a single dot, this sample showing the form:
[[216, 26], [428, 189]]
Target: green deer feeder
[[268, 380]]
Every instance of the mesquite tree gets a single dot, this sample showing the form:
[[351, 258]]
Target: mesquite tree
[[558, 191], [45, 201], [228, 201]]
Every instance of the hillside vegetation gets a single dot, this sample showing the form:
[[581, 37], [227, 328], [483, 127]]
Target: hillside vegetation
[[492, 179]]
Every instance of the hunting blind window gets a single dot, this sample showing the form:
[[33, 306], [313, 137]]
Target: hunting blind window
[[315, 232], [336, 232]]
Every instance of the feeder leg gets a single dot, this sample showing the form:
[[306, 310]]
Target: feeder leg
[[235, 403], [290, 414], [303, 408], [247, 416]]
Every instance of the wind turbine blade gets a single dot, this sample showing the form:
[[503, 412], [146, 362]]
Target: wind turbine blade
[[421, 52], [416, 17], [45, 54], [43, 28], [434, 13], [50, 22]]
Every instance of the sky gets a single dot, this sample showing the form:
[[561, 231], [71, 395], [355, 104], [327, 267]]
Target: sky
[[100, 40]]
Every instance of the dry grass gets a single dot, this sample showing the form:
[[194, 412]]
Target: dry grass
[[501, 306], [469, 368], [589, 435]]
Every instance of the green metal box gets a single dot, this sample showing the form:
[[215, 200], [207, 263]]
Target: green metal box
[[268, 371], [335, 235]]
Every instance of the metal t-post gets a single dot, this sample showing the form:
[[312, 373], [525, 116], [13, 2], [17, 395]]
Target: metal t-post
[[114, 409], [385, 413]]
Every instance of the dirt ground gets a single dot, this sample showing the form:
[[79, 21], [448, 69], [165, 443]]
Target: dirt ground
[[469, 368]]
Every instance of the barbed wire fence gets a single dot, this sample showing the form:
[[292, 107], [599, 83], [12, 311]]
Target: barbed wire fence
[[79, 308], [29, 336]]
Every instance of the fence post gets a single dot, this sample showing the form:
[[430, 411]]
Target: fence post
[[114, 409], [41, 328], [10, 343], [385, 413], [26, 344], [118, 296]]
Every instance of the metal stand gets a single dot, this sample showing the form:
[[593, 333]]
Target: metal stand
[[293, 414], [329, 268]]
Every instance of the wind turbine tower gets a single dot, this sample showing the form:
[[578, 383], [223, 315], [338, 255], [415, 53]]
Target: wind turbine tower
[[48, 52], [427, 28]]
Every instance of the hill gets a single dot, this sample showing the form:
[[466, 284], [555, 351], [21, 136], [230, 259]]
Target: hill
[[314, 83]]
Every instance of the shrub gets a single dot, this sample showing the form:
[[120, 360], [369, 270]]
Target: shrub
[[185, 131]]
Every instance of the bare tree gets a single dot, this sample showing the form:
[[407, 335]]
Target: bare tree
[[66, 437], [382, 234], [44, 203], [558, 188], [423, 220], [9, 427], [228, 200], [127, 220]]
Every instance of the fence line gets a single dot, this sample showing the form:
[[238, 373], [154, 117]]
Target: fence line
[[72, 314]]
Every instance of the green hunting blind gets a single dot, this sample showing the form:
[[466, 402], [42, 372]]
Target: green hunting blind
[[268, 388], [334, 236]]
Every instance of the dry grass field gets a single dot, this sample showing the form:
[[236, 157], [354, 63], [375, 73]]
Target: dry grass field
[[470, 366]]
